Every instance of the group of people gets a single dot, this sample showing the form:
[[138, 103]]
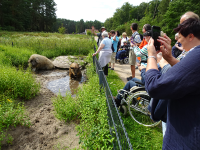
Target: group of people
[[171, 78]]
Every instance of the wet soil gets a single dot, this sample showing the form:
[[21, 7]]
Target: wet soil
[[46, 131]]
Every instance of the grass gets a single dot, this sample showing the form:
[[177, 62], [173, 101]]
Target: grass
[[141, 137], [12, 113], [49, 44]]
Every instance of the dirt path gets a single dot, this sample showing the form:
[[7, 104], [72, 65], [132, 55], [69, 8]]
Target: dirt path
[[46, 131], [124, 71]]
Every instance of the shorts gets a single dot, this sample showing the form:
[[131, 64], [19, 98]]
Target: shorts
[[112, 60], [132, 58]]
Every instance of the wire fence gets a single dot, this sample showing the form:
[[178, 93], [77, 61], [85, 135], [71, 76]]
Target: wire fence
[[116, 125]]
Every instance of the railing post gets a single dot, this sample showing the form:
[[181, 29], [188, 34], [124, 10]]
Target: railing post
[[101, 78], [94, 48]]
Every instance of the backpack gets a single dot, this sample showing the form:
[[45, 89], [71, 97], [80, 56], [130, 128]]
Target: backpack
[[158, 109], [141, 36]]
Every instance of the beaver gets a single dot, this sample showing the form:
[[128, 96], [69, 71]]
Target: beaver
[[38, 62], [75, 71]]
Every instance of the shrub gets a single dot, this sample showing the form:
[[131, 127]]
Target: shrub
[[16, 56], [12, 113], [17, 83], [66, 107], [89, 33], [62, 29]]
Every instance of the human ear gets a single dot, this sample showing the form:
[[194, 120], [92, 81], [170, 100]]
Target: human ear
[[191, 36]]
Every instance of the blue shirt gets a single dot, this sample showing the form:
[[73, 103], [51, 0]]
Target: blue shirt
[[181, 85], [107, 42], [115, 43]]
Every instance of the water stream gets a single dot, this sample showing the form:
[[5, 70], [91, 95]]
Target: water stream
[[65, 84]]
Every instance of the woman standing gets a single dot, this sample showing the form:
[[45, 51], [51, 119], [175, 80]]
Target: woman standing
[[143, 53], [181, 85], [105, 52]]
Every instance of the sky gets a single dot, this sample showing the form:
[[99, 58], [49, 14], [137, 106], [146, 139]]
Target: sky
[[90, 10]]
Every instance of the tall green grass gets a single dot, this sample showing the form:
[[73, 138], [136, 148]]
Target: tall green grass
[[49, 45], [16, 56]]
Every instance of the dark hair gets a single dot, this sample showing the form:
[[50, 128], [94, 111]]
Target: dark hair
[[134, 26], [118, 33], [189, 26], [147, 27], [112, 31]]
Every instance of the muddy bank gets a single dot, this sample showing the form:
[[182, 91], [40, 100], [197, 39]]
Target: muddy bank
[[46, 131]]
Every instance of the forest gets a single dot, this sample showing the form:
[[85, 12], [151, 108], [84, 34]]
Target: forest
[[38, 15], [163, 13]]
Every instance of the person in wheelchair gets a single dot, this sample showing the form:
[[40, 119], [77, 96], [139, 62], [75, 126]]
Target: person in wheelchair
[[135, 82], [131, 84], [123, 51]]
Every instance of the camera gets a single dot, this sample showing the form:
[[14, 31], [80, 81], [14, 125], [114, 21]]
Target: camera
[[155, 35]]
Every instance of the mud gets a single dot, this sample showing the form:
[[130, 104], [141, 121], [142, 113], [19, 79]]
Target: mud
[[46, 131]]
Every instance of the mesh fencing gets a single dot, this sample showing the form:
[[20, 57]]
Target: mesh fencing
[[116, 126]]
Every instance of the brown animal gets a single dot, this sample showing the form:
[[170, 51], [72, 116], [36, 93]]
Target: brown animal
[[75, 71], [38, 62]]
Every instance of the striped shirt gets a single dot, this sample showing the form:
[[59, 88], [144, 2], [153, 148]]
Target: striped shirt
[[143, 53]]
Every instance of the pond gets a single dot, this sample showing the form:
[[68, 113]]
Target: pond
[[66, 84]]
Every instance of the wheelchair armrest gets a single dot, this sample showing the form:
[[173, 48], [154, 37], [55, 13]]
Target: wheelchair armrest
[[140, 83]]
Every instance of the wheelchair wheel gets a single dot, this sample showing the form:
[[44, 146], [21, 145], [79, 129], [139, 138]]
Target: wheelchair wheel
[[126, 60], [137, 105]]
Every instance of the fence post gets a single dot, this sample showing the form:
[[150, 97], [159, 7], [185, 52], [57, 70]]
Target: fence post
[[94, 48], [101, 78], [12, 44]]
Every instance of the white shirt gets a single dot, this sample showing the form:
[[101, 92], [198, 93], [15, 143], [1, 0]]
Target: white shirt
[[124, 39]]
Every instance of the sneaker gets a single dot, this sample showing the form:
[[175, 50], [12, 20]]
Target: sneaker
[[117, 102], [111, 68], [129, 78], [121, 109]]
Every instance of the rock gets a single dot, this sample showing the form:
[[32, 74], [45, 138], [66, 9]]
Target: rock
[[64, 62]]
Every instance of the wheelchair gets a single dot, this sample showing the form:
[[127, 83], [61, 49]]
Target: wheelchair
[[124, 57], [137, 101]]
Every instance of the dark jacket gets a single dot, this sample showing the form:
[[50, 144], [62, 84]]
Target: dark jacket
[[180, 85]]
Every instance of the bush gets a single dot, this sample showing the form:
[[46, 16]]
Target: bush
[[61, 30], [89, 33], [16, 56], [66, 107], [12, 113], [17, 83]]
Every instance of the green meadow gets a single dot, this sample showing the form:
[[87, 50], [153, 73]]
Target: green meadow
[[18, 84]]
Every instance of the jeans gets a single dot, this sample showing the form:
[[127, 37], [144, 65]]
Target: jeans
[[128, 86], [119, 53]]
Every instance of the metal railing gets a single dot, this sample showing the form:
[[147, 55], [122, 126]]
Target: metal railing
[[116, 125]]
